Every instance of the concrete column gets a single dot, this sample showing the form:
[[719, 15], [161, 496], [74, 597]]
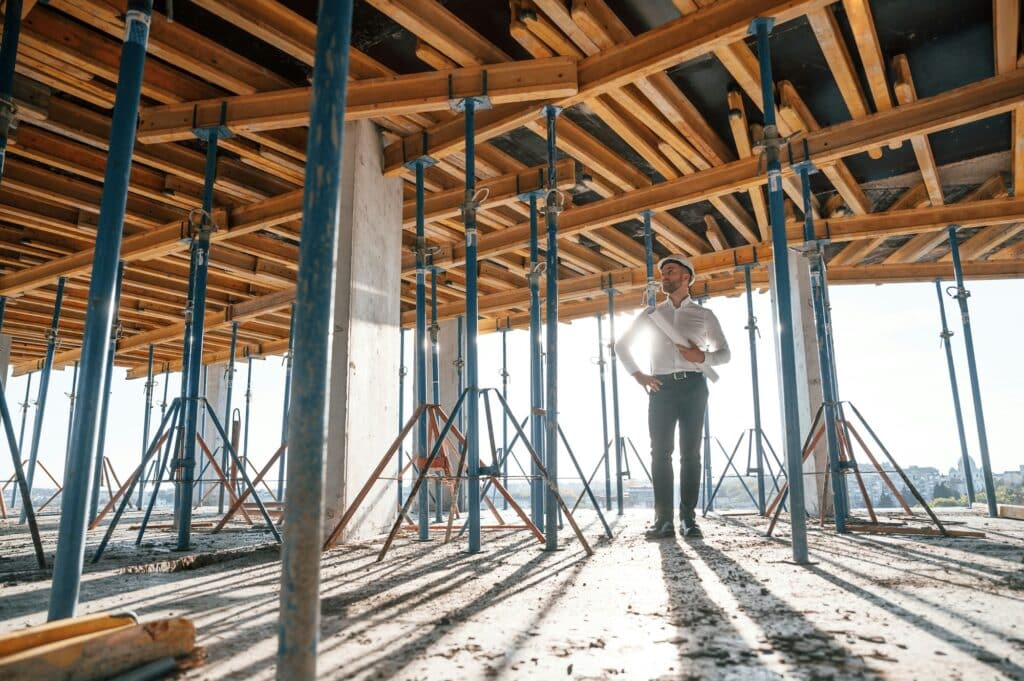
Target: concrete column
[[808, 379], [216, 394], [5, 357], [364, 361], [447, 369]]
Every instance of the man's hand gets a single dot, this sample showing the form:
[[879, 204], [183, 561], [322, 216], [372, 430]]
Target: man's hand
[[650, 383], [691, 354]]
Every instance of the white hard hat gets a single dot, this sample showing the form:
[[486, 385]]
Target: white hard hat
[[679, 259]]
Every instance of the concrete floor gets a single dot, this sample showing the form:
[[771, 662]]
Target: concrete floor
[[730, 607]]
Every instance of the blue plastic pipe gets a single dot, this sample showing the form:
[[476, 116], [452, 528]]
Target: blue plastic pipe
[[67, 569], [552, 207], [960, 430], [972, 370], [783, 308], [44, 388], [299, 622]]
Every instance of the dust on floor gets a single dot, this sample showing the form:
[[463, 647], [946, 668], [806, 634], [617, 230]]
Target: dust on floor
[[729, 607]]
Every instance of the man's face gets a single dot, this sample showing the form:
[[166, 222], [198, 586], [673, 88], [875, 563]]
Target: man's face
[[673, 277]]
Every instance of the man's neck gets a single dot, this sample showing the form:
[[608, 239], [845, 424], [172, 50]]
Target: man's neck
[[678, 298]]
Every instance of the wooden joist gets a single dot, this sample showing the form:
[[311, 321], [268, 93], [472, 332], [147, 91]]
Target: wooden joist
[[379, 97]]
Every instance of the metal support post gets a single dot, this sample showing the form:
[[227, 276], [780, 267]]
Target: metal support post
[[108, 380], [783, 312], [709, 497], [402, 372], [604, 418], [25, 406], [67, 569], [945, 336], [813, 249], [536, 365], [289, 363], [194, 343], [229, 379], [553, 206], [755, 389], [420, 367], [8, 58], [248, 404], [652, 285], [435, 394], [299, 623], [962, 294], [616, 430], [71, 412], [504, 416], [44, 388], [146, 418], [469, 207]]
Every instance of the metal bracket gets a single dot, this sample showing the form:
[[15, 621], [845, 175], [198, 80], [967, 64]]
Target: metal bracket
[[554, 203], [8, 109], [481, 101], [470, 205], [204, 226], [433, 330], [206, 133], [423, 159]]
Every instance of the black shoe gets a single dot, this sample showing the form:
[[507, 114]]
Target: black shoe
[[660, 530], [690, 530]]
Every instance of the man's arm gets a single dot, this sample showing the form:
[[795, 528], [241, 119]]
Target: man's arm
[[622, 345], [718, 347]]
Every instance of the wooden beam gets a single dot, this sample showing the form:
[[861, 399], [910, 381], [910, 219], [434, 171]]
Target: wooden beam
[[609, 70], [1006, 21], [714, 233], [906, 94], [431, 91], [160, 241], [971, 102], [920, 245], [862, 24]]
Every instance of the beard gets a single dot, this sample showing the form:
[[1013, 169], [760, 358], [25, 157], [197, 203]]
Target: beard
[[669, 287]]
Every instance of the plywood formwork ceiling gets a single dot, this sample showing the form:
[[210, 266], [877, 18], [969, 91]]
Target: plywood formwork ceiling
[[646, 125]]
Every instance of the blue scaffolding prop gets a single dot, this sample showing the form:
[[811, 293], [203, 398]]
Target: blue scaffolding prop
[[299, 621], [44, 388], [962, 294], [945, 335], [536, 357], [67, 568], [771, 144]]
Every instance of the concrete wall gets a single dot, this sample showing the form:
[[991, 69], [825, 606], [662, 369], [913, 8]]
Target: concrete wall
[[808, 378], [364, 363], [5, 357]]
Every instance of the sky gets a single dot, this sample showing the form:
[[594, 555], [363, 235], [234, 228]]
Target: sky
[[890, 363]]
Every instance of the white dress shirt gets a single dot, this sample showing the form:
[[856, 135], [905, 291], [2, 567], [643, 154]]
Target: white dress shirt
[[698, 325]]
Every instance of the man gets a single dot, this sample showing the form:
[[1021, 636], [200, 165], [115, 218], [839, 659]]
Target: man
[[686, 341]]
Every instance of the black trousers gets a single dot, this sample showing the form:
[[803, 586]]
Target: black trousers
[[680, 402]]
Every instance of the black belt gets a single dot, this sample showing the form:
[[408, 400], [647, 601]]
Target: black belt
[[679, 375]]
